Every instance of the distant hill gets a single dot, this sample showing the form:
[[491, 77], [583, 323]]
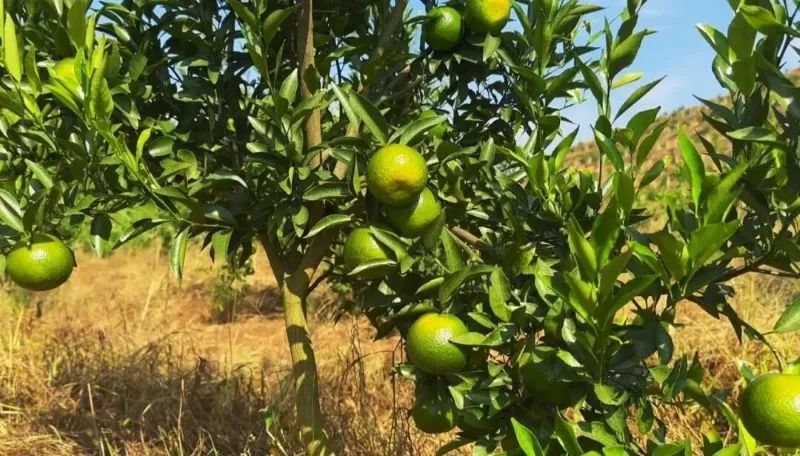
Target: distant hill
[[585, 155]]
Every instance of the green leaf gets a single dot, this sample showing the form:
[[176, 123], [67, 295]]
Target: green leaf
[[583, 297], [10, 212], [326, 191], [707, 240], [288, 90], [717, 40], [177, 253], [606, 232], [138, 228], [76, 22], [449, 447], [499, 295], [652, 173], [2, 264], [626, 79], [673, 252], [631, 289], [100, 231], [370, 265], [490, 46], [371, 117], [635, 96], [566, 436], [755, 134], [694, 165], [611, 271], [721, 197], [764, 21], [609, 149], [453, 282], [408, 133], [327, 222], [244, 13], [625, 192], [11, 49], [581, 248], [592, 81], [32, 72], [623, 55], [648, 143], [742, 38], [454, 261], [40, 173], [220, 243], [790, 320], [474, 339], [102, 104], [273, 23], [526, 439], [429, 286]]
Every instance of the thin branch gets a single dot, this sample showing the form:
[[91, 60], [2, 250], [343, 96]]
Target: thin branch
[[471, 239]]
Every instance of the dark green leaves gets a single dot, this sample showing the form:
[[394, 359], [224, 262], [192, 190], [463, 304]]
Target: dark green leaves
[[273, 22], [526, 439]]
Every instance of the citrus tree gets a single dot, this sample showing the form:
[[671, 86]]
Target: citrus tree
[[420, 157]]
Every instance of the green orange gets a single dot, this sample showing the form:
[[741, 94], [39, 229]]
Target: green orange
[[428, 344], [770, 409], [43, 265], [362, 247], [396, 175], [434, 415], [487, 16], [414, 220], [443, 28]]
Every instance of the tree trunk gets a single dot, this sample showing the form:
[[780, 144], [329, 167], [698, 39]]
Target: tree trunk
[[294, 291], [304, 368]]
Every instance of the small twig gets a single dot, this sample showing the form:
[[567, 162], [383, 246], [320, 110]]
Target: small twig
[[472, 240]]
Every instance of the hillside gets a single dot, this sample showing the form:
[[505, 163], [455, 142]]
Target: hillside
[[690, 118]]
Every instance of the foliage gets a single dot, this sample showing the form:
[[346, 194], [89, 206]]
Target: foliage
[[210, 115]]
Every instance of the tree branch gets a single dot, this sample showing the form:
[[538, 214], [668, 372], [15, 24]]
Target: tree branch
[[471, 239], [305, 52]]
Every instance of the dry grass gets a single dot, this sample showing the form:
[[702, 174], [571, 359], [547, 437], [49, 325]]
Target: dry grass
[[124, 361]]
